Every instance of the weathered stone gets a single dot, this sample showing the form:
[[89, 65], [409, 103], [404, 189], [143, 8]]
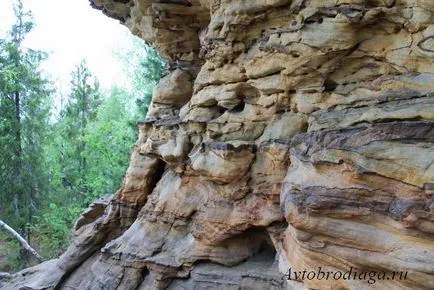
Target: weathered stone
[[174, 89], [285, 135]]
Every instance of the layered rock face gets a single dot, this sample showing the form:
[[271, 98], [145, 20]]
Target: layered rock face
[[285, 135]]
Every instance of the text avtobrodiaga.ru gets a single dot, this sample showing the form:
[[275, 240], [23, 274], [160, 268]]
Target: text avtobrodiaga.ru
[[352, 274]]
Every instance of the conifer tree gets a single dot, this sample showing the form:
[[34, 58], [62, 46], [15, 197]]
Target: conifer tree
[[81, 110], [24, 116]]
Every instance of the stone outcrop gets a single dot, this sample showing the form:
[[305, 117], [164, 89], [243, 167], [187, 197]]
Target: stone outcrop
[[285, 135]]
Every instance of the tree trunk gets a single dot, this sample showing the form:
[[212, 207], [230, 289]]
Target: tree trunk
[[21, 240], [18, 150]]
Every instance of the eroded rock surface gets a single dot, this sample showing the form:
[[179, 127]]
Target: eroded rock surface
[[285, 135]]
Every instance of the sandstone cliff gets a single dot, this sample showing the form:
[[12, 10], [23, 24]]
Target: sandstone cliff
[[286, 134]]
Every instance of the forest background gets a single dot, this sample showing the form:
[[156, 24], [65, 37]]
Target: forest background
[[56, 160]]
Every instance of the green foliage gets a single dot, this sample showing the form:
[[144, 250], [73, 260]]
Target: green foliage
[[86, 157], [51, 170], [144, 67], [24, 112], [108, 141], [79, 112], [54, 226], [12, 250]]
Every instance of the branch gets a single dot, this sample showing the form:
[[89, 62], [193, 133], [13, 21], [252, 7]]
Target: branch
[[21, 240]]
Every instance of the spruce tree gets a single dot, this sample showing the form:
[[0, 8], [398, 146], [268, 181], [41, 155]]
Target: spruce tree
[[81, 109], [24, 116]]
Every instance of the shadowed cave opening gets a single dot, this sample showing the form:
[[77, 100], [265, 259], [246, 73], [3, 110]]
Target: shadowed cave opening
[[259, 271]]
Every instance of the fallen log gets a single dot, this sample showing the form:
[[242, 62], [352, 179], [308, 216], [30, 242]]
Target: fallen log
[[22, 241]]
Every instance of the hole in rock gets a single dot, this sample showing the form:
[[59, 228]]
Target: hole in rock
[[258, 241], [218, 27], [238, 108], [247, 93], [220, 111], [257, 271], [329, 85], [265, 250], [314, 20]]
